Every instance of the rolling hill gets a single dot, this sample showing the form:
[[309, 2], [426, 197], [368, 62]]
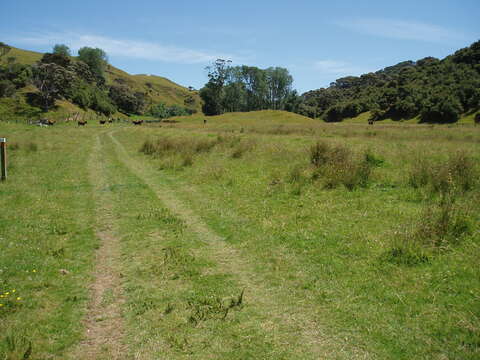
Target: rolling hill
[[157, 89], [427, 90]]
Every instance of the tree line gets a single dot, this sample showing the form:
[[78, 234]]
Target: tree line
[[246, 88], [433, 90]]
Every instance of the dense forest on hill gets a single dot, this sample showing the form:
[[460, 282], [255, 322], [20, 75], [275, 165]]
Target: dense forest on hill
[[88, 82], [432, 89]]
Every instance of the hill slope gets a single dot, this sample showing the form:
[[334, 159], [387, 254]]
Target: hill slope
[[429, 89], [157, 89]]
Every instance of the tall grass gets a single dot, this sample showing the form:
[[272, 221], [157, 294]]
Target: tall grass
[[441, 226], [338, 165], [458, 173]]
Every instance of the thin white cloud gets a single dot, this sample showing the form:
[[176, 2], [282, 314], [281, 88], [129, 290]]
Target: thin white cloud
[[128, 48], [337, 68], [404, 30]]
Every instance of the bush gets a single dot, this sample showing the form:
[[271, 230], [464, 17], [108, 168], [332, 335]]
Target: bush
[[373, 160], [457, 174], [32, 147], [440, 227], [163, 111], [319, 153], [339, 166], [351, 173], [169, 146], [7, 88], [241, 148], [442, 110]]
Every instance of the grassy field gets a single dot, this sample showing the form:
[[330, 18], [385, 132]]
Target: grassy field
[[262, 235]]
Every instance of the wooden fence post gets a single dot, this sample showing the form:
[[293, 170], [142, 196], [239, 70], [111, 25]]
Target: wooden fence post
[[3, 158]]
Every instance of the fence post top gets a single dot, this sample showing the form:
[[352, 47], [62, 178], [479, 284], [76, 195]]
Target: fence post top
[[2, 140]]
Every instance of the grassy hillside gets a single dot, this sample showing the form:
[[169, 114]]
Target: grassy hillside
[[431, 90], [157, 89], [365, 116]]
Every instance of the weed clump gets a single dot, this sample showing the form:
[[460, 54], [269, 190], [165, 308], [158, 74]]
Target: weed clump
[[338, 165], [212, 307], [32, 147], [457, 174], [241, 148], [440, 227], [187, 160], [14, 146], [373, 160]]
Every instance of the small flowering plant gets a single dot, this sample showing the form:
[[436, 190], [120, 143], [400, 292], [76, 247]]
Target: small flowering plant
[[9, 299]]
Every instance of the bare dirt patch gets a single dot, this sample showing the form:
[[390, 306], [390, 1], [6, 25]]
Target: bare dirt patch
[[104, 323]]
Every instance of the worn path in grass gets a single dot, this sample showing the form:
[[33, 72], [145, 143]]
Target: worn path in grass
[[290, 319], [104, 323]]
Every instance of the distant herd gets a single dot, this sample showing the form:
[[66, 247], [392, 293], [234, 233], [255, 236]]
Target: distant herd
[[82, 121]]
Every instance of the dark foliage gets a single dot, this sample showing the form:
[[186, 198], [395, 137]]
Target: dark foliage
[[163, 111], [436, 90], [246, 88], [126, 99]]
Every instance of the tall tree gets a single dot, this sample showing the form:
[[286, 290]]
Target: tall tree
[[4, 49], [212, 93], [246, 88], [279, 85], [52, 81], [62, 49], [96, 59]]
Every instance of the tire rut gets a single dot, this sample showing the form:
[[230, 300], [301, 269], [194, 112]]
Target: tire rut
[[281, 312], [103, 323]]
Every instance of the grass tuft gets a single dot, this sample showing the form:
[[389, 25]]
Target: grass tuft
[[338, 165], [457, 174]]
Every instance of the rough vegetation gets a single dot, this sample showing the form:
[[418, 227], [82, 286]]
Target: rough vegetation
[[436, 91], [46, 82]]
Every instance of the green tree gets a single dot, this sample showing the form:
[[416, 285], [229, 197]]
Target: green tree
[[159, 111], [126, 100], [212, 93], [52, 81], [279, 85], [7, 88], [54, 58], [96, 59], [4, 49], [62, 49]]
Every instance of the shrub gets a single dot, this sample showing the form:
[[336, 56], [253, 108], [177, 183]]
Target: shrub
[[14, 146], [373, 160], [241, 148], [420, 174], [319, 153], [457, 174], [184, 148], [338, 165], [440, 226], [7, 88], [295, 174], [187, 160], [148, 147], [32, 147], [406, 253], [351, 173]]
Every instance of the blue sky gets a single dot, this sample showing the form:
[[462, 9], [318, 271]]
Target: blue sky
[[318, 41]]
